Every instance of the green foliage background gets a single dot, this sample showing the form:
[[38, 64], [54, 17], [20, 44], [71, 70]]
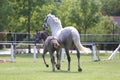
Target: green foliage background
[[88, 16]]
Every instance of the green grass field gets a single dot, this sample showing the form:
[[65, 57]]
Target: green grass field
[[25, 69]]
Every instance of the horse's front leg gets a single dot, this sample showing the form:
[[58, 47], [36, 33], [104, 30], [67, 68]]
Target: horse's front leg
[[68, 58], [52, 61], [43, 56], [58, 59], [78, 56]]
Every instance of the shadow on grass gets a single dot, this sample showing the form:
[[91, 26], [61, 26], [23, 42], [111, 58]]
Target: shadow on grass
[[60, 71], [91, 54]]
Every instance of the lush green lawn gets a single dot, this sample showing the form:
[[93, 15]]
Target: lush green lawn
[[24, 69]]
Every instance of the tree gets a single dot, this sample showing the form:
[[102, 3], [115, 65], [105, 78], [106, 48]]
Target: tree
[[85, 14], [82, 14], [63, 11], [111, 7], [4, 11]]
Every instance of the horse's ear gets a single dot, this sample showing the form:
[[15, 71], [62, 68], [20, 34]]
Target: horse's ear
[[49, 14]]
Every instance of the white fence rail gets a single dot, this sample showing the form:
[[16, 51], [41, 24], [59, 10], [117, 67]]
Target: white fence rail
[[23, 37]]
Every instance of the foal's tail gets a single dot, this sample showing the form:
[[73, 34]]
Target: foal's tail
[[76, 40]]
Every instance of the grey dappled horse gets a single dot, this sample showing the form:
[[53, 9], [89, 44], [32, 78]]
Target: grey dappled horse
[[67, 36]]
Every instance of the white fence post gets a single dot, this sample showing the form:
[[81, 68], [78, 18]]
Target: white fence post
[[63, 54], [34, 54], [12, 52], [113, 54], [94, 52]]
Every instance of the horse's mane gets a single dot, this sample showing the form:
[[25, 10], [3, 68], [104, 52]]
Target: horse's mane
[[56, 19]]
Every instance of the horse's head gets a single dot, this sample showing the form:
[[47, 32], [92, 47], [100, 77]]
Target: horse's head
[[42, 35], [38, 37], [45, 24], [50, 20]]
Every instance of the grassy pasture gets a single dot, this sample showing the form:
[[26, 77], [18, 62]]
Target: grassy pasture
[[24, 69]]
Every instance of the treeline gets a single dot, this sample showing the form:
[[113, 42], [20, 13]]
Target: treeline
[[88, 16]]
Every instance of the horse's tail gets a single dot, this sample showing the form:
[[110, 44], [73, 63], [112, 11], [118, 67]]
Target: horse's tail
[[82, 48], [76, 40]]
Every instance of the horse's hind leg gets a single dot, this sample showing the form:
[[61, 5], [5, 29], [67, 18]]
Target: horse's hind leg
[[68, 58], [78, 56]]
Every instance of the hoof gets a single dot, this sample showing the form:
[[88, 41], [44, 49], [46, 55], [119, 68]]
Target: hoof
[[80, 70], [58, 67], [47, 65]]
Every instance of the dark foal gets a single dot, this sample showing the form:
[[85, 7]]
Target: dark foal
[[39, 36], [42, 35], [51, 45]]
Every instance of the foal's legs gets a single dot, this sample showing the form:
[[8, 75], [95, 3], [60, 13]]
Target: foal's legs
[[58, 55], [78, 56], [43, 56], [52, 61], [68, 58]]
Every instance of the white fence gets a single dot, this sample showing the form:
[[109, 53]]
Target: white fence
[[12, 38], [23, 37], [35, 50], [12, 57]]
